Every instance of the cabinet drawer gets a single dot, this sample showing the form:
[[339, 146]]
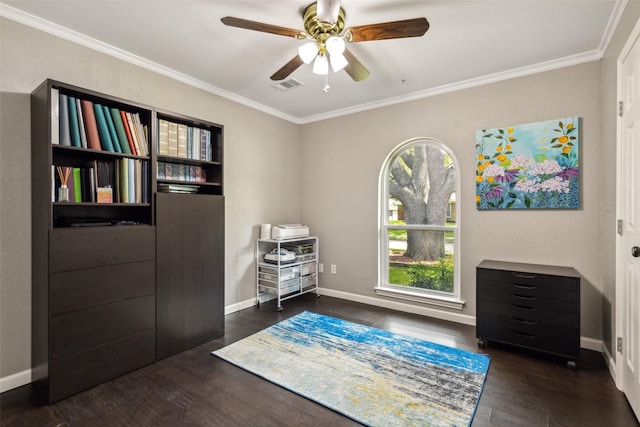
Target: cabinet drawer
[[562, 340], [534, 282], [547, 298], [80, 289], [80, 330], [78, 371], [541, 316], [78, 248]]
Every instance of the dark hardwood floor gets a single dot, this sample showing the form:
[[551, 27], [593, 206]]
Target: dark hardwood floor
[[196, 388]]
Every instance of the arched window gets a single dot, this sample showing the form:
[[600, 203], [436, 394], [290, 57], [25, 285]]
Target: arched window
[[419, 224]]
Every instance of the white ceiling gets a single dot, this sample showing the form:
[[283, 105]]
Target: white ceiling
[[469, 42]]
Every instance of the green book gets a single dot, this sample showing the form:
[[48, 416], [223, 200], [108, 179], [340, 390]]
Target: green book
[[105, 137], [112, 129], [77, 184], [122, 134], [73, 122]]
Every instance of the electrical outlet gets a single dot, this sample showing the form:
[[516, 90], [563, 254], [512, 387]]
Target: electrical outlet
[[333, 269], [320, 267]]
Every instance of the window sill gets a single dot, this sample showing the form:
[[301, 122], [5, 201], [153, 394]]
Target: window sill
[[436, 300]]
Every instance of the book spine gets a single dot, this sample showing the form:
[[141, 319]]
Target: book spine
[[203, 145], [81, 125], [182, 140], [173, 139], [105, 138], [93, 137], [77, 184], [65, 132], [119, 126], [125, 123], [73, 122], [163, 137], [112, 129], [55, 116], [132, 180]]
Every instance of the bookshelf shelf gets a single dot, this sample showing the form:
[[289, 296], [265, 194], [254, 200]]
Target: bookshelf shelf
[[94, 260]]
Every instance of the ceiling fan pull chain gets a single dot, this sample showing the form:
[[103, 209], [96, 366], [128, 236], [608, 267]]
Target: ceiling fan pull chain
[[325, 89]]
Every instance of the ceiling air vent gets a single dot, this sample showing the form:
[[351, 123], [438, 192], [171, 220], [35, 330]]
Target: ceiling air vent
[[288, 85]]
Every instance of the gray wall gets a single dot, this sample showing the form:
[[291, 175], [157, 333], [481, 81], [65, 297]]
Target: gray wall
[[341, 183], [256, 146]]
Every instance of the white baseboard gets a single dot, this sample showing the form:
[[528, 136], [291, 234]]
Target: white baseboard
[[611, 364], [591, 344], [15, 380], [239, 306], [400, 306]]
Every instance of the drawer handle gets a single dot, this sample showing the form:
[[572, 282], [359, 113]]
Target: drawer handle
[[523, 306], [521, 286], [528, 298], [524, 275], [524, 334], [525, 321]]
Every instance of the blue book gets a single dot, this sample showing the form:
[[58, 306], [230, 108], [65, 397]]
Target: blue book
[[103, 130], [73, 122], [112, 129], [65, 132]]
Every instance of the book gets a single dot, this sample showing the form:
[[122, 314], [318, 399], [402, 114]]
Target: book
[[182, 140], [112, 129], [83, 131], [55, 116], [173, 139], [142, 132], [131, 180], [119, 126], [203, 144], [74, 128], [163, 137], [93, 137], [65, 132], [77, 185], [125, 123], [124, 180], [105, 137]]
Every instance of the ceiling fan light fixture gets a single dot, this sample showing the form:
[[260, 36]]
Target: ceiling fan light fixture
[[335, 45], [338, 62], [321, 65], [308, 51]]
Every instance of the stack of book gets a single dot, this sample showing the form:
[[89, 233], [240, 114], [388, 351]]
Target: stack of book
[[177, 188], [82, 123], [122, 180], [180, 172], [180, 140]]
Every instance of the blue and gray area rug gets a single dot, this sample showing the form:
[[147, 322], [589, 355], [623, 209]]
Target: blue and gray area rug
[[373, 376]]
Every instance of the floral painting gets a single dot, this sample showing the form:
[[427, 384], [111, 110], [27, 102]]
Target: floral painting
[[530, 166]]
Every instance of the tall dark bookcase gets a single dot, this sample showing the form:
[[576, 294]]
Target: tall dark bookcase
[[96, 249]]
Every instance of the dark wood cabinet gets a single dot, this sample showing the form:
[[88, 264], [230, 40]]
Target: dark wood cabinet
[[190, 265], [95, 289], [531, 306]]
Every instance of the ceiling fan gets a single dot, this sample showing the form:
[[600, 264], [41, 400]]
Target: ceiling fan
[[325, 32]]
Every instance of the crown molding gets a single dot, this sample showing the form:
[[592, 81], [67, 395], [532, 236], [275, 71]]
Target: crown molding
[[83, 40]]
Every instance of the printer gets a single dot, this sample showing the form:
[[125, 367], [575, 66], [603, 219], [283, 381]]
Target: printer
[[289, 231]]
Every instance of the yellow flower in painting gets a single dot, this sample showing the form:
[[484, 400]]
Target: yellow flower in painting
[[567, 149], [487, 163], [509, 130], [480, 168], [508, 147], [479, 178], [480, 157], [499, 149], [570, 126], [477, 199], [563, 139], [490, 179], [502, 157], [511, 138]]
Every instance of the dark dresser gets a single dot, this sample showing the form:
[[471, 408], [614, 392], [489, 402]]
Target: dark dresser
[[536, 307]]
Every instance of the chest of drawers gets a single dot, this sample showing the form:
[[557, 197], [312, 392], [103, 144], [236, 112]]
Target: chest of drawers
[[531, 306]]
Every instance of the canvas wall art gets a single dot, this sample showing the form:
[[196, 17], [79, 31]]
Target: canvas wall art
[[529, 166]]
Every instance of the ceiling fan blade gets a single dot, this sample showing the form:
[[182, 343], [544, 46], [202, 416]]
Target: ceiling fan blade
[[287, 69], [354, 68], [328, 10], [259, 26], [389, 30]]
